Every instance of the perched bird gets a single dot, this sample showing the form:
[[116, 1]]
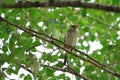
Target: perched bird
[[70, 40]]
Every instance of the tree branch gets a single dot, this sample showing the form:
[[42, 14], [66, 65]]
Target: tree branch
[[90, 60], [63, 4], [56, 68], [66, 70], [72, 70]]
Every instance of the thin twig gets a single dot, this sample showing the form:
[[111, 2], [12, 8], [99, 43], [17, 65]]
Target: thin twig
[[48, 56], [33, 47], [112, 64], [25, 68]]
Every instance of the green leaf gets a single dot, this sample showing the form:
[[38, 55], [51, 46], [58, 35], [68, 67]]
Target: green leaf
[[1, 59], [62, 76], [86, 0], [3, 34], [19, 52], [74, 18], [10, 71], [86, 29], [2, 77], [28, 77], [59, 64], [5, 47], [83, 12], [21, 75], [37, 42], [92, 37], [49, 71], [51, 58], [9, 2], [50, 46], [10, 58]]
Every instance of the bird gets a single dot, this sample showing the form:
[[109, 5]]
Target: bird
[[70, 40]]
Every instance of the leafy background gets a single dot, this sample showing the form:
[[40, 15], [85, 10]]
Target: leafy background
[[18, 47]]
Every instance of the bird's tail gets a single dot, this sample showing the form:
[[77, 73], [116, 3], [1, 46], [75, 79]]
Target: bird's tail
[[65, 59]]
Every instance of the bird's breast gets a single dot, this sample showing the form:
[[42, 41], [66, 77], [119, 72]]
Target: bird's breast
[[71, 38]]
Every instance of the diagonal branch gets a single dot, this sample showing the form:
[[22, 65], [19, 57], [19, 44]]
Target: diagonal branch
[[66, 70], [63, 4], [72, 70], [55, 68], [90, 60]]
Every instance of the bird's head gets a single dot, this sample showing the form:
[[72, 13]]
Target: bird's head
[[74, 26]]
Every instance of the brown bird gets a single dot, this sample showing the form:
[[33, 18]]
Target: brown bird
[[70, 40]]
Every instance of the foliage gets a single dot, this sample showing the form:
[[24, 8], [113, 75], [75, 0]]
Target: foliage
[[16, 46]]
